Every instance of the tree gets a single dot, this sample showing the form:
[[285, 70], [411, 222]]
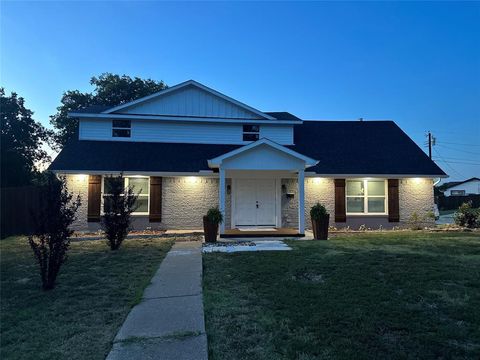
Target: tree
[[51, 239], [119, 203], [110, 90], [21, 141]]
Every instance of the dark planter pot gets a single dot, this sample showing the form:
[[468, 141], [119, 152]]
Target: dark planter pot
[[320, 227], [210, 230]]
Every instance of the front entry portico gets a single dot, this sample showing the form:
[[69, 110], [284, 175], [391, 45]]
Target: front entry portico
[[256, 171]]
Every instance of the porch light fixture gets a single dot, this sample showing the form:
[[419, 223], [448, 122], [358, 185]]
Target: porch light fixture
[[229, 189]]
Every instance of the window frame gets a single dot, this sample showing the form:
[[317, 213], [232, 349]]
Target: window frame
[[257, 133], [365, 197], [126, 183], [129, 128]]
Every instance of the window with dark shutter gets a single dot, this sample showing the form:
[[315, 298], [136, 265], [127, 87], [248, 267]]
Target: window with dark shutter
[[94, 198], [340, 208], [155, 199], [393, 201]]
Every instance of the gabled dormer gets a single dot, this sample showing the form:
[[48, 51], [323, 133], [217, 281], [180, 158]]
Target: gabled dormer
[[188, 113]]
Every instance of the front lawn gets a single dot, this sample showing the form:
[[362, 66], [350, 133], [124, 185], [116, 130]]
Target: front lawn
[[393, 295], [79, 318]]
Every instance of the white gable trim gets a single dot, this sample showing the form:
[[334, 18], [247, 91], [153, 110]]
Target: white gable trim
[[185, 84], [181, 118], [216, 162]]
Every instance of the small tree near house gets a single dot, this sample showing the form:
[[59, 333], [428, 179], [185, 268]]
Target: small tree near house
[[51, 239], [119, 203]]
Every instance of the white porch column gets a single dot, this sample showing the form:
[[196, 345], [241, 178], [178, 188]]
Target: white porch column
[[301, 201], [221, 198]]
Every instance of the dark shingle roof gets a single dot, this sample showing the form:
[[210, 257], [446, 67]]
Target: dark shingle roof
[[282, 115], [342, 147]]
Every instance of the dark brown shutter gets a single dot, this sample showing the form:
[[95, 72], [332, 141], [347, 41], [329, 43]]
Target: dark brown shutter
[[393, 201], [155, 199], [340, 209], [94, 197]]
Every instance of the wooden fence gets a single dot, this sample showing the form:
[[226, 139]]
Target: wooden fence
[[453, 202], [17, 206]]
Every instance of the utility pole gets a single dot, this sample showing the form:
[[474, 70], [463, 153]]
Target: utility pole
[[431, 142], [430, 145]]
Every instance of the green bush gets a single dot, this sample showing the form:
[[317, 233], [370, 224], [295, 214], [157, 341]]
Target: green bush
[[214, 215], [467, 216], [318, 211]]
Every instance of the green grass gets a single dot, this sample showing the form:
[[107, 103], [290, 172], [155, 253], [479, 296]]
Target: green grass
[[399, 295], [95, 291]]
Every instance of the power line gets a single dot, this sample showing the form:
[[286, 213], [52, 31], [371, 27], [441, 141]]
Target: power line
[[461, 150], [454, 143], [448, 164], [459, 162]]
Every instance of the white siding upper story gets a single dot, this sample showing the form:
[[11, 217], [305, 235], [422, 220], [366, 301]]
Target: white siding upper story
[[191, 101], [183, 132]]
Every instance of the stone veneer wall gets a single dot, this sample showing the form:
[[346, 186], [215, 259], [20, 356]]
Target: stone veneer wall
[[184, 202], [415, 195], [187, 199]]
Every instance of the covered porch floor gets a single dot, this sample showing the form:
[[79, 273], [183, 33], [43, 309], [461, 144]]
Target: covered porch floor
[[260, 233]]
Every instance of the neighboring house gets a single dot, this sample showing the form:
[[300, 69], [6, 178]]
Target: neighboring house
[[464, 188], [189, 148]]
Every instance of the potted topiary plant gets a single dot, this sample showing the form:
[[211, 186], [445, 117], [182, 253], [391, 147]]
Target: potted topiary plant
[[320, 218], [210, 224]]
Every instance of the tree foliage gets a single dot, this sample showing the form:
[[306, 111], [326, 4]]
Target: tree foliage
[[51, 239], [21, 141], [118, 207], [110, 89]]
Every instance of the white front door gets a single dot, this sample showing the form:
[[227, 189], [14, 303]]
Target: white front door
[[255, 202]]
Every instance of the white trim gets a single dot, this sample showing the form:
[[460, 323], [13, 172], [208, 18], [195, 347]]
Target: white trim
[[366, 196], [210, 173], [216, 162], [383, 176], [182, 118], [201, 173], [301, 201], [185, 84]]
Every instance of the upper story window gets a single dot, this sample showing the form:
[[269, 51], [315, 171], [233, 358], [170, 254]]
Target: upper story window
[[366, 196], [251, 132], [140, 186], [121, 128]]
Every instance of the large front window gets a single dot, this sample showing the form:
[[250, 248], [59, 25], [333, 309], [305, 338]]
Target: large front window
[[366, 196], [140, 187]]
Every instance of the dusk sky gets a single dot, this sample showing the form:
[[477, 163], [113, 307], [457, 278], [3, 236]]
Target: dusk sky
[[415, 63]]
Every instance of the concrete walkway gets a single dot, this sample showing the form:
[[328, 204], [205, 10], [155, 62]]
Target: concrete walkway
[[169, 321]]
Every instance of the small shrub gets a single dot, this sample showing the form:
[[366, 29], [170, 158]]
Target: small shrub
[[119, 205], [318, 211], [414, 221], [466, 216], [51, 239], [214, 215]]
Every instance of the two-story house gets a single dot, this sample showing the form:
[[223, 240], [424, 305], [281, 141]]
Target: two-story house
[[188, 148]]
